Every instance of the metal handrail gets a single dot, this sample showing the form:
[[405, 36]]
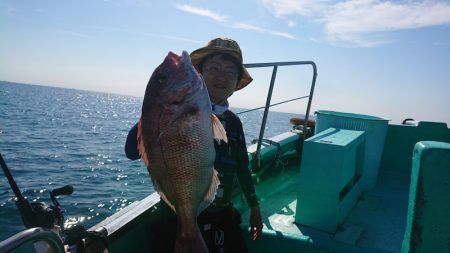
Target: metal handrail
[[275, 66], [33, 236], [279, 103]]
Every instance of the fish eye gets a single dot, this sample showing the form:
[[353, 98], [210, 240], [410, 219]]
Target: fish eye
[[161, 79]]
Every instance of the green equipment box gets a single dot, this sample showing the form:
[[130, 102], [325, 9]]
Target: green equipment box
[[330, 177]]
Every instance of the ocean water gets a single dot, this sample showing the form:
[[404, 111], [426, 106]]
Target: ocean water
[[51, 137]]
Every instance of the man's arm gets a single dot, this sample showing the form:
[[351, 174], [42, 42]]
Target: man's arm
[[131, 150]]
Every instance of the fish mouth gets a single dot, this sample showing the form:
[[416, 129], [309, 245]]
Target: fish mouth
[[188, 80], [184, 58]]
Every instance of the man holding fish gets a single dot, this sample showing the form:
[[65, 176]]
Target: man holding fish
[[182, 113]]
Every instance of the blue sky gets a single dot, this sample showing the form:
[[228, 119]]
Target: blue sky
[[384, 58]]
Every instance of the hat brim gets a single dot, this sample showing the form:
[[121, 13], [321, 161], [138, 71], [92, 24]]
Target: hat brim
[[198, 55]]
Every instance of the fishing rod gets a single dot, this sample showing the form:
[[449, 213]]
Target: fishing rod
[[39, 214], [25, 209]]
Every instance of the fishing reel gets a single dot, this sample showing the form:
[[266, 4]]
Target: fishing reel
[[51, 217], [39, 214], [43, 215]]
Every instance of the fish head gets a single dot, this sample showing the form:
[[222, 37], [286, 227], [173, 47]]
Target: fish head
[[175, 81]]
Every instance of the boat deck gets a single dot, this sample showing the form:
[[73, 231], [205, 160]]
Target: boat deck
[[376, 223]]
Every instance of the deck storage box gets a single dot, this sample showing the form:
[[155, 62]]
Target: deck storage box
[[375, 129], [330, 178]]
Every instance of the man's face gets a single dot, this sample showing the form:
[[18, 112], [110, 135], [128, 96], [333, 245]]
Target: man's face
[[221, 78]]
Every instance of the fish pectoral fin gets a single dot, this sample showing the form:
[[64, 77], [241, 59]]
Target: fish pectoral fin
[[211, 193], [219, 131], [140, 145]]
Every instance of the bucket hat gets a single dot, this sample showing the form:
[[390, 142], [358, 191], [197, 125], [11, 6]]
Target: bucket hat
[[226, 46]]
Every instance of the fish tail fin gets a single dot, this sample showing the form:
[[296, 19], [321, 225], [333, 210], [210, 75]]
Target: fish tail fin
[[211, 193], [219, 131], [189, 240], [141, 146]]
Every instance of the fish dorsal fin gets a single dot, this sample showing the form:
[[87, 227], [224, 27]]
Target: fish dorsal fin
[[141, 146], [211, 193], [219, 131]]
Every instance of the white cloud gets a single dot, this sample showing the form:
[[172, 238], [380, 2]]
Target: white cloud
[[248, 27], [201, 12], [374, 15], [356, 40], [225, 21], [291, 23], [282, 8], [352, 20], [245, 26], [283, 34]]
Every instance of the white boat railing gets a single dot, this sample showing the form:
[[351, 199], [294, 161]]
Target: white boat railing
[[275, 66], [33, 240]]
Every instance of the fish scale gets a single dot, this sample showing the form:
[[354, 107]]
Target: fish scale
[[176, 141]]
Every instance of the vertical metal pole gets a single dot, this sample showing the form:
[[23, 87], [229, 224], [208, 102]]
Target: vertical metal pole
[[305, 123], [266, 111]]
